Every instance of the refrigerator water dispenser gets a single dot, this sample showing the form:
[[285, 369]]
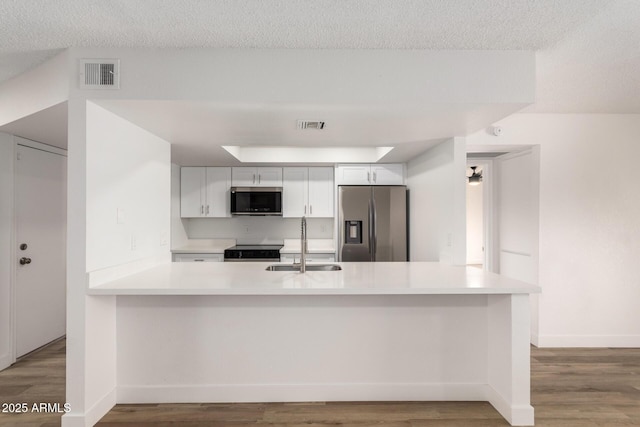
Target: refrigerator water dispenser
[[353, 232]]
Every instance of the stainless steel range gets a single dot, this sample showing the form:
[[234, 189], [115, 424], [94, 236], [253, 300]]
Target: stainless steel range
[[269, 253]]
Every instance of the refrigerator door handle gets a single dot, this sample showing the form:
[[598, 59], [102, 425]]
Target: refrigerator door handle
[[370, 230], [374, 227]]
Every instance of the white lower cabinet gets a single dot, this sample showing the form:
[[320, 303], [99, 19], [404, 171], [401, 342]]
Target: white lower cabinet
[[198, 257], [295, 258]]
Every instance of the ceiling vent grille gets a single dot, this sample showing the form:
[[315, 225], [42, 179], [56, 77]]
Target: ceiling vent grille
[[100, 74], [308, 124]]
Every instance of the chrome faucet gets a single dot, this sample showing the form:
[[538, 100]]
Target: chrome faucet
[[303, 245]]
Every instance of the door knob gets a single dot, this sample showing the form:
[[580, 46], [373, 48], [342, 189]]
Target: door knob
[[25, 260], [23, 246]]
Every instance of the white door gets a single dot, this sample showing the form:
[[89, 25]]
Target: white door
[[269, 177], [244, 177], [387, 174], [218, 197], [321, 192], [294, 192], [192, 192], [41, 215], [353, 175]]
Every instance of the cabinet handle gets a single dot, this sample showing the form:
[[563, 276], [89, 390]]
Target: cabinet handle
[[305, 209], [310, 209], [375, 178], [198, 260], [201, 209], [368, 176], [259, 178], [207, 209], [254, 178]]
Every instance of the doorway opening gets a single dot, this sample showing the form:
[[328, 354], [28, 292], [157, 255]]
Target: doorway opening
[[479, 212]]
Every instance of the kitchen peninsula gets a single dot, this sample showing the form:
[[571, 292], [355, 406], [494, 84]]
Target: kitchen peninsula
[[229, 332]]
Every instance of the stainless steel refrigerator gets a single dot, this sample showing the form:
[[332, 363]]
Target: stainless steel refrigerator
[[372, 223]]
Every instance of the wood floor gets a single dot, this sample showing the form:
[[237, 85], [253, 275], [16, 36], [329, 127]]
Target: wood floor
[[570, 387]]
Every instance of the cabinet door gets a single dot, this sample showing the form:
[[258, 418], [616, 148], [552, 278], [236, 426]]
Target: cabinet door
[[294, 192], [192, 192], [388, 174], [244, 177], [269, 177], [321, 192], [218, 185], [353, 175]]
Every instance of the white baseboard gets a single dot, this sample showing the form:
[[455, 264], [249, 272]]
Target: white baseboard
[[516, 415], [535, 339], [5, 361], [300, 393], [616, 341], [91, 416]]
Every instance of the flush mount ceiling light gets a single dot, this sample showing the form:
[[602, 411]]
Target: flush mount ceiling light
[[476, 177]]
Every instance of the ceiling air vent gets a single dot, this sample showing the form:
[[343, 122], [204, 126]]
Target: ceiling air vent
[[308, 124], [100, 74]]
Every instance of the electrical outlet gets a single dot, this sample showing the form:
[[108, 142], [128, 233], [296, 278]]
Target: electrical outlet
[[323, 229], [119, 216]]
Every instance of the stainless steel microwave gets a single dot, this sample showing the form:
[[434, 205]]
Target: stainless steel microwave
[[256, 201]]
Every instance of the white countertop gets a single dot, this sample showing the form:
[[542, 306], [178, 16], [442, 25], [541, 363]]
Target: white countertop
[[205, 246], [314, 246], [251, 278]]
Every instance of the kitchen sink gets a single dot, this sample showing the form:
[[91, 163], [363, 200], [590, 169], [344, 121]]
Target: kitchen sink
[[312, 267]]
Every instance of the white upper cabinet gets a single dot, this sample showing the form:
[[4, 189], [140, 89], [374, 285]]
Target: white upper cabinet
[[256, 177], [204, 192], [307, 192], [295, 192], [218, 197], [353, 175], [321, 192], [375, 174], [192, 191], [387, 174]]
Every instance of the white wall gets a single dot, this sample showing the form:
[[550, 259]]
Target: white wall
[[518, 216], [437, 214], [588, 222], [128, 171], [179, 236], [249, 76], [7, 251], [258, 229], [111, 164], [41, 87]]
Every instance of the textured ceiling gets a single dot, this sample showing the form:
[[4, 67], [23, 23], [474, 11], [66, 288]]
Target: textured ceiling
[[588, 50]]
